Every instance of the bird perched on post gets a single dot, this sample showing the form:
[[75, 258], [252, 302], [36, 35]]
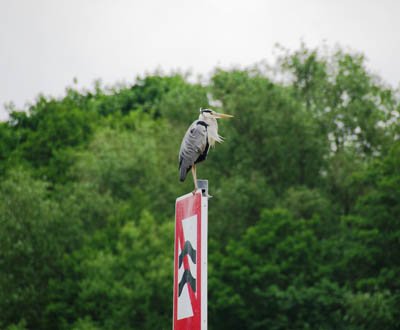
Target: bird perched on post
[[201, 135]]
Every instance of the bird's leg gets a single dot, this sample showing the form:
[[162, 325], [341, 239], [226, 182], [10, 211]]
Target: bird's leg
[[194, 179]]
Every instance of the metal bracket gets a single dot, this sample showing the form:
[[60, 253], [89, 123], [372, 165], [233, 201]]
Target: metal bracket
[[203, 185]]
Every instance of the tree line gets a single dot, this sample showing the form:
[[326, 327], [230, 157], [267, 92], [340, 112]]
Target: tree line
[[304, 228]]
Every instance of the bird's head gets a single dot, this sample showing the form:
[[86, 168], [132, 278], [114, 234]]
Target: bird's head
[[208, 114]]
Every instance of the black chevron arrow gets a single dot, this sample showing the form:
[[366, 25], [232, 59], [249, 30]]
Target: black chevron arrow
[[187, 249], [187, 278]]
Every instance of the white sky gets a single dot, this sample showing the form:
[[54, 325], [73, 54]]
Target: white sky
[[44, 44]]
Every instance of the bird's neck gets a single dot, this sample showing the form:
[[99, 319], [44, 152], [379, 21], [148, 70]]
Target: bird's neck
[[212, 130]]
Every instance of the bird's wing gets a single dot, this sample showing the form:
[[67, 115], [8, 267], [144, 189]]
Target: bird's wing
[[193, 144]]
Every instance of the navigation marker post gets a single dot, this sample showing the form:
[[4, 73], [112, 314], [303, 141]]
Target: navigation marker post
[[190, 262]]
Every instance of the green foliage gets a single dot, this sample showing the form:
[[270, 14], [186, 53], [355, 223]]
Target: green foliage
[[274, 271], [131, 163], [346, 100], [380, 207], [43, 140], [129, 289], [305, 203], [19, 326], [31, 243], [270, 125], [85, 324], [371, 311], [304, 230]]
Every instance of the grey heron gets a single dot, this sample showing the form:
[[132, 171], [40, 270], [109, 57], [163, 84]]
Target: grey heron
[[201, 135]]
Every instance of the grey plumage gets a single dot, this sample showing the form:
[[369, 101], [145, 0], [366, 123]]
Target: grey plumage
[[194, 147], [201, 135]]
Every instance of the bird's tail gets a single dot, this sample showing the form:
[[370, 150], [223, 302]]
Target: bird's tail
[[184, 168], [183, 171]]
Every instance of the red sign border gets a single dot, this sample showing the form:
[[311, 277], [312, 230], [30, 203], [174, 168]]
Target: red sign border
[[187, 207]]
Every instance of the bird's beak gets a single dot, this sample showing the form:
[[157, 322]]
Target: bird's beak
[[222, 115]]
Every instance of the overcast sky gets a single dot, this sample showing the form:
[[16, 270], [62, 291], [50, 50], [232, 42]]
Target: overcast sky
[[44, 44]]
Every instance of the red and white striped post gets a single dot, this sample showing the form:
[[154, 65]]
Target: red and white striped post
[[190, 265]]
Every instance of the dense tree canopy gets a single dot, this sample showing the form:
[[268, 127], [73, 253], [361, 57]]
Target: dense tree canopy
[[304, 228]]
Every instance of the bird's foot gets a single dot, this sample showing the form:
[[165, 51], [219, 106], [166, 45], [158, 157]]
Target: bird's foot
[[195, 191]]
